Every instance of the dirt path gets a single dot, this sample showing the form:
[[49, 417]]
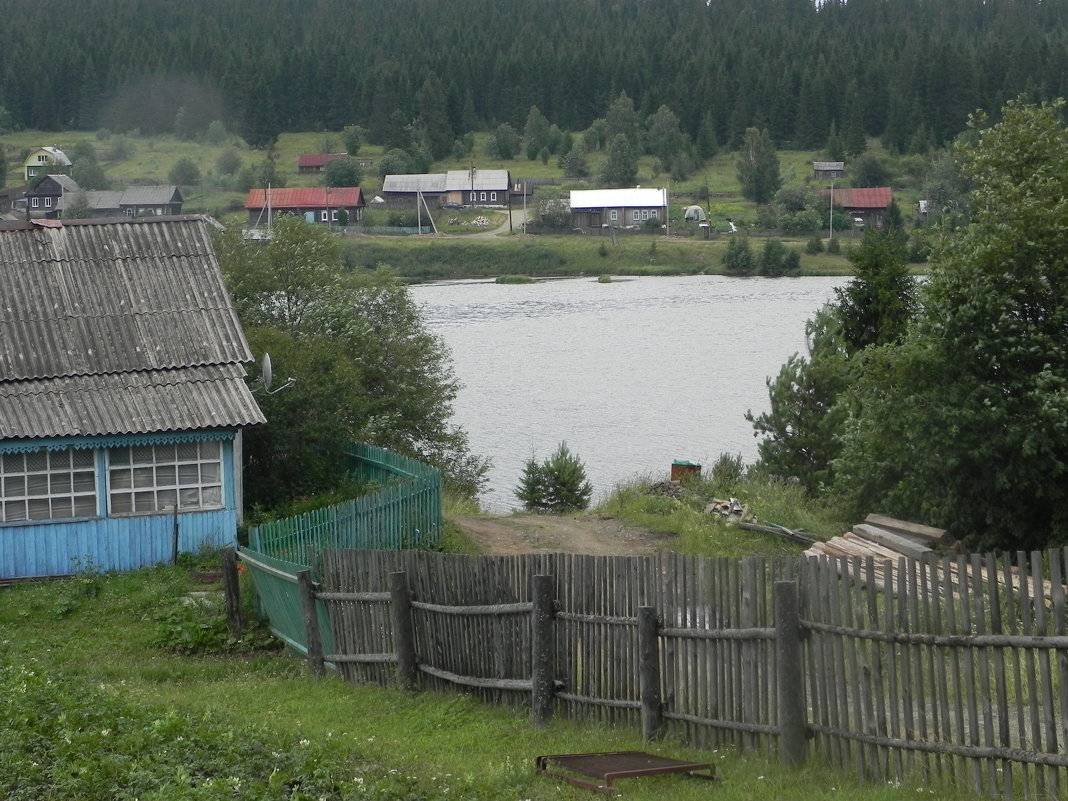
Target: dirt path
[[599, 536]]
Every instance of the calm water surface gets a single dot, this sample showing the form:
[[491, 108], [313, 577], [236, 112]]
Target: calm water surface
[[632, 375]]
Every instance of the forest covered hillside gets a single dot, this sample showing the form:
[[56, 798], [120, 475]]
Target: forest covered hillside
[[901, 70]]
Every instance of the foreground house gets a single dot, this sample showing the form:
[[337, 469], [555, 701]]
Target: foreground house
[[122, 395], [314, 204], [617, 208]]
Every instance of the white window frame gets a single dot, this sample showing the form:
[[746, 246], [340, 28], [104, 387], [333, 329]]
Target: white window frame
[[613, 215], [333, 215], [48, 202], [35, 202], [645, 214], [154, 478], [48, 485], [652, 214], [493, 197], [483, 197], [324, 216], [473, 197], [635, 216]]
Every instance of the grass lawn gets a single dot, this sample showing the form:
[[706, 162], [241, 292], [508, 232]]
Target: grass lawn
[[97, 704]]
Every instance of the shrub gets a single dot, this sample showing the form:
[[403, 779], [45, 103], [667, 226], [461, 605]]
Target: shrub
[[739, 260], [556, 485], [814, 245]]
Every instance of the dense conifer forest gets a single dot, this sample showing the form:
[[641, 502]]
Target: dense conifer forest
[[896, 69]]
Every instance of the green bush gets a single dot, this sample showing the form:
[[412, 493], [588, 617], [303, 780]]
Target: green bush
[[556, 485]]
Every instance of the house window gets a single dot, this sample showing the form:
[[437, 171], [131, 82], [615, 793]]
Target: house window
[[48, 202], [44, 485], [613, 215], [635, 216], [333, 215], [472, 197], [155, 478], [483, 198], [645, 214], [35, 202], [324, 216], [493, 197], [652, 214]]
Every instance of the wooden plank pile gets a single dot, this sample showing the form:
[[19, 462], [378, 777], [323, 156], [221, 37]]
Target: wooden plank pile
[[885, 539]]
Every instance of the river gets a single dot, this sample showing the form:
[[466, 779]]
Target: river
[[632, 374]]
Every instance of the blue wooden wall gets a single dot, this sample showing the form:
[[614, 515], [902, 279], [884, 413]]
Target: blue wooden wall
[[44, 548]]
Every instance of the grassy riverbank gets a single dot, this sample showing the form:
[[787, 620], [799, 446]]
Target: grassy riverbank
[[545, 256], [97, 704]]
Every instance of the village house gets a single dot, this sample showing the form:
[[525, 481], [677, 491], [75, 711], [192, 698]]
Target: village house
[[866, 205], [122, 395], [617, 208], [45, 160], [314, 204], [455, 188], [828, 170]]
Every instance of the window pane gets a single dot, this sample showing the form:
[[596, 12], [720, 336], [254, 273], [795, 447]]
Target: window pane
[[121, 503], [143, 454], [62, 507], [14, 486], [144, 501], [82, 459], [165, 475], [189, 498], [210, 472], [209, 450], [60, 484], [119, 456], [14, 510], [84, 482], [37, 461], [14, 463], [188, 474], [167, 498], [121, 479], [187, 451], [212, 496], [143, 477], [59, 460], [39, 509], [37, 484], [84, 506]]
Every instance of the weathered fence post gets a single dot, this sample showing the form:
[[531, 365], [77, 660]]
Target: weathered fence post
[[311, 622], [649, 672], [542, 657], [231, 591], [788, 670], [403, 633]]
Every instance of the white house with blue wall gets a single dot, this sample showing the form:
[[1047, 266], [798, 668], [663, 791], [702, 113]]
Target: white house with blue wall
[[122, 395]]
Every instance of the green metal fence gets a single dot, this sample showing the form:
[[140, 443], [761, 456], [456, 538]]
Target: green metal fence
[[404, 512]]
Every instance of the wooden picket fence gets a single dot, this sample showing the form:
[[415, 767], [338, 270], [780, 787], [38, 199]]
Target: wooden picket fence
[[948, 670]]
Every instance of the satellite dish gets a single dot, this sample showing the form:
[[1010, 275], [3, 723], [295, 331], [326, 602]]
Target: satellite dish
[[266, 372]]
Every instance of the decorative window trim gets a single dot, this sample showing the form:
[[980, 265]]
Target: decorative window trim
[[613, 215], [635, 216], [84, 443]]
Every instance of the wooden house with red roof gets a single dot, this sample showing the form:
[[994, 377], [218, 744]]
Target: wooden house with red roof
[[865, 203], [316, 162], [314, 204]]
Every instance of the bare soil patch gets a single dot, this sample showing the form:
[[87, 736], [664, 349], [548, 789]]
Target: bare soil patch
[[594, 535]]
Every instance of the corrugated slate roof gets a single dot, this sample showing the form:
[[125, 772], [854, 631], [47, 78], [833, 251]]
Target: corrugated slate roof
[[214, 396], [86, 303], [305, 197], [461, 180], [415, 182], [637, 197], [150, 196]]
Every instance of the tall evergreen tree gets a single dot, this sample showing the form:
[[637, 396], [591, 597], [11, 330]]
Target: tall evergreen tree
[[758, 166]]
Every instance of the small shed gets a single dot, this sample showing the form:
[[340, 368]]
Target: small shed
[[122, 395]]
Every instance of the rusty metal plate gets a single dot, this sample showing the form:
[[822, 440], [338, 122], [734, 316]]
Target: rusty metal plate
[[609, 766]]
